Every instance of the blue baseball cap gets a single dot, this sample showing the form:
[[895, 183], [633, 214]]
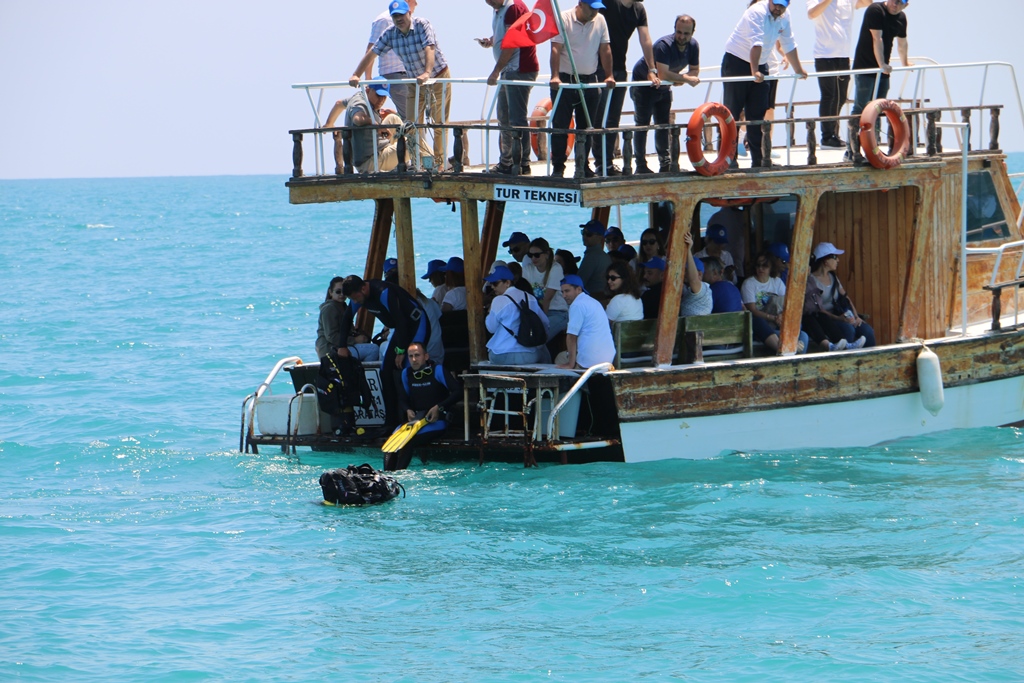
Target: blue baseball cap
[[614, 232], [593, 227], [627, 252], [699, 262], [500, 273], [398, 7], [657, 263], [516, 238], [574, 280], [382, 89], [779, 250], [716, 233], [435, 266], [390, 265], [455, 265], [784, 3], [596, 4]]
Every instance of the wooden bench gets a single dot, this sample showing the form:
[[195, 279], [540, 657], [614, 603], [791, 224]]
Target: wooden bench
[[697, 337]]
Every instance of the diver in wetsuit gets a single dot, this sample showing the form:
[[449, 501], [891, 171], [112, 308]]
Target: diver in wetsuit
[[396, 309], [426, 390]]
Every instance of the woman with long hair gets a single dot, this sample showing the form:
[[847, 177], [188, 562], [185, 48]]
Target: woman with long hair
[[544, 275], [335, 323], [623, 293], [830, 318]]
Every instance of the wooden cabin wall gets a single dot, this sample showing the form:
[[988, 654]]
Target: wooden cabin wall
[[875, 230]]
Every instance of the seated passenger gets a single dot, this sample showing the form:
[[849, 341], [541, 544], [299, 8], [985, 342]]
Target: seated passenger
[[503, 322], [362, 110], [779, 254], [715, 241], [624, 254], [696, 293], [613, 239], [830, 318], [435, 275], [542, 273], [334, 330], [426, 390], [568, 261], [623, 294], [654, 276], [588, 339], [455, 281], [650, 245], [725, 296], [763, 296]]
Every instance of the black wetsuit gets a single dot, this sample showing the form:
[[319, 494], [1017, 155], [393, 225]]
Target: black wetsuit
[[395, 308], [419, 391]]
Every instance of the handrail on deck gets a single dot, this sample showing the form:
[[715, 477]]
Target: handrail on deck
[[600, 367], [248, 417]]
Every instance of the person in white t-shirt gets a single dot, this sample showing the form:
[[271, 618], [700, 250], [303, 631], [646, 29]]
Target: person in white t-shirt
[[623, 294], [503, 322], [455, 279], [435, 275], [588, 339], [757, 294], [543, 274], [833, 36]]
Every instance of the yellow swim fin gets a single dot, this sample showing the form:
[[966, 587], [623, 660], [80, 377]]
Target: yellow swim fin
[[403, 435]]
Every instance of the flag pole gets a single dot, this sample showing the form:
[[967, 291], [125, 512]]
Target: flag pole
[[572, 60]]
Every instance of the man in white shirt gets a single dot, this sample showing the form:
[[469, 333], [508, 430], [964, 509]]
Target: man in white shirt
[[833, 29], [746, 54], [503, 322], [590, 44], [588, 338]]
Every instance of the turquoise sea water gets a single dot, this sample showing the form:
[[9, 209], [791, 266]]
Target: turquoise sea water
[[137, 543]]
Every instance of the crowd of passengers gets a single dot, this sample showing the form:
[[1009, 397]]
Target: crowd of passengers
[[577, 298], [592, 48]]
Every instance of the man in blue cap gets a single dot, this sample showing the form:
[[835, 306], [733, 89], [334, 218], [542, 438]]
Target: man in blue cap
[[654, 277], [588, 339], [596, 260], [518, 244], [435, 275], [362, 110], [414, 40], [746, 54], [715, 241], [613, 239], [503, 322]]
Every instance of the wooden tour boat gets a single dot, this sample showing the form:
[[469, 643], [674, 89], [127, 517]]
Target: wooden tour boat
[[932, 242]]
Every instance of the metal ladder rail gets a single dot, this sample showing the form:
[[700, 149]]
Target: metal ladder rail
[[600, 367], [288, 443], [248, 418]]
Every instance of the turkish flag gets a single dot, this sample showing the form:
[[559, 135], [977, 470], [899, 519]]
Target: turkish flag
[[533, 28]]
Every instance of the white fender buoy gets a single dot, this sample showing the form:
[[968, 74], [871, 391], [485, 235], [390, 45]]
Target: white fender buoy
[[929, 380]]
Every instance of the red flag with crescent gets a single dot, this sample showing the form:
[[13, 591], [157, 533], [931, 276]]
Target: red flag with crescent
[[532, 28]]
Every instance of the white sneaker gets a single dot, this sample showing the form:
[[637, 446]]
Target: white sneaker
[[859, 344], [838, 346]]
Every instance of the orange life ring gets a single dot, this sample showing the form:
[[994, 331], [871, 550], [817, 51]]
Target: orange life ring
[[694, 134], [538, 119], [869, 141]]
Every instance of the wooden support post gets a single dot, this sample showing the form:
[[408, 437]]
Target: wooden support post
[[694, 353], [404, 243], [474, 278], [965, 117], [580, 155], [766, 145], [376, 252], [601, 213], [627, 152], [799, 266], [458, 151], [494, 214], [346, 154], [932, 147], [993, 129], [919, 266], [296, 155], [791, 127], [674, 150], [673, 283], [997, 308], [401, 146], [812, 144]]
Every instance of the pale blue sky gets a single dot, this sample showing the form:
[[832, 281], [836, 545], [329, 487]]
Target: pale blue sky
[[129, 88]]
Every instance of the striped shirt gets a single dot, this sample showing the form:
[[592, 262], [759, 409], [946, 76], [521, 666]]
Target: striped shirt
[[410, 47]]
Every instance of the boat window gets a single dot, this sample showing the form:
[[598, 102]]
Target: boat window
[[985, 218]]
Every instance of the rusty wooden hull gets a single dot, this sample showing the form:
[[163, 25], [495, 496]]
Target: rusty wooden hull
[[827, 400]]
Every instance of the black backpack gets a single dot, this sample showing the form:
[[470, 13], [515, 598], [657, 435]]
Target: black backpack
[[531, 328], [358, 485]]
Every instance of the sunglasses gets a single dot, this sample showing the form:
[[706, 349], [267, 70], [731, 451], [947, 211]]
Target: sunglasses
[[424, 372], [648, 241], [338, 291], [764, 265], [535, 254], [611, 278]]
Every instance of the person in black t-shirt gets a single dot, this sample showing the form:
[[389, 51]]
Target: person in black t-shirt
[[884, 22], [624, 17], [672, 54]]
